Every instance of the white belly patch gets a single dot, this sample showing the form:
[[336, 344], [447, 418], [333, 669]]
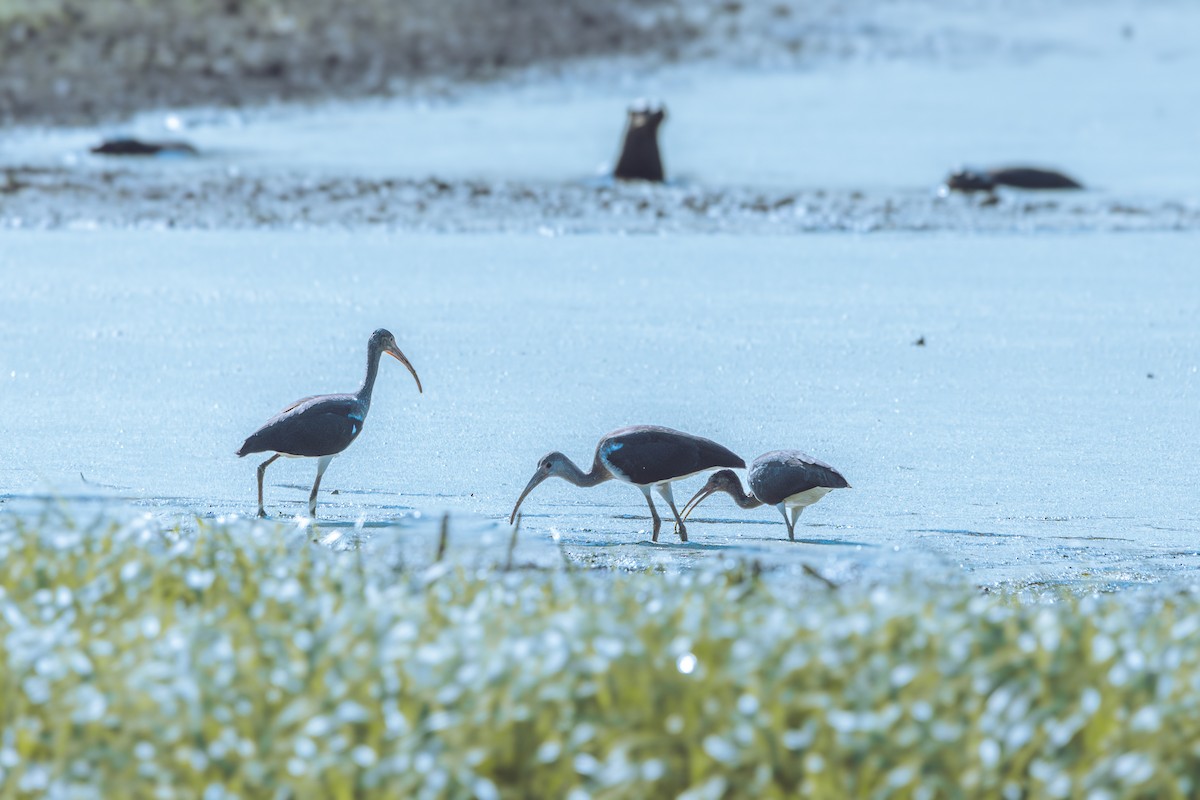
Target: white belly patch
[[805, 499]]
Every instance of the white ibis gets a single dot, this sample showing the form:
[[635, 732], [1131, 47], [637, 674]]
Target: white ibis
[[321, 427], [787, 479], [648, 456]]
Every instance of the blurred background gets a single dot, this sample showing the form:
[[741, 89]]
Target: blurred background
[[73, 60]]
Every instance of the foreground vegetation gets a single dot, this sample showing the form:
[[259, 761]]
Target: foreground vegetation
[[242, 659]]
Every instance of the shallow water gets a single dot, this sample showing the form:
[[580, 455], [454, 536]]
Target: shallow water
[[1043, 433], [1025, 441]]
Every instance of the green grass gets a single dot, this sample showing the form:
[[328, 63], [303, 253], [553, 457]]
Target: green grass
[[241, 659]]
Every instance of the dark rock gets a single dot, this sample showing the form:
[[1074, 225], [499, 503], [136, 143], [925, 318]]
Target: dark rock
[[139, 147], [969, 180]]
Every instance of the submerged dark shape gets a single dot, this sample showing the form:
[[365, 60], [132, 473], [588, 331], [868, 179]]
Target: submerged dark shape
[[127, 146], [787, 479], [640, 159], [969, 180], [647, 456], [320, 427]]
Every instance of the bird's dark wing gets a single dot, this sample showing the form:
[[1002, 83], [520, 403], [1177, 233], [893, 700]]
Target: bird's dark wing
[[647, 454], [315, 426], [776, 476], [295, 405]]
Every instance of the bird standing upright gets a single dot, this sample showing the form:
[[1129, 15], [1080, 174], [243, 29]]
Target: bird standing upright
[[787, 479], [648, 456], [320, 427]]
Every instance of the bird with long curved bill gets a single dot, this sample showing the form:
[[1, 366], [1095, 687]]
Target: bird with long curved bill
[[647, 456], [787, 479], [320, 427]]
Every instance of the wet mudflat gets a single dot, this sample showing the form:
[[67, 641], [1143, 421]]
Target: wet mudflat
[[1038, 435], [156, 311]]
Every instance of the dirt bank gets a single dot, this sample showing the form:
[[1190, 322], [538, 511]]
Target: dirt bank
[[52, 197], [80, 61]]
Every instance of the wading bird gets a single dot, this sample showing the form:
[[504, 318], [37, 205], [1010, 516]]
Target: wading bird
[[321, 427], [787, 479], [648, 456]]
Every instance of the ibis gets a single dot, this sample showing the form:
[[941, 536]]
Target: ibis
[[647, 456], [320, 427], [787, 479]]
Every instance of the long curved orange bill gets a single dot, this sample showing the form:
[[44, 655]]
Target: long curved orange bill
[[394, 352], [698, 498], [537, 478]]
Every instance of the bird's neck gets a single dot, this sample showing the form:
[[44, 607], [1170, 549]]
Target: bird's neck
[[368, 384], [598, 474], [745, 500]]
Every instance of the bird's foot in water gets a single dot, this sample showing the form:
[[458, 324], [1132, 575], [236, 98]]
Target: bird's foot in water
[[262, 514], [681, 529]]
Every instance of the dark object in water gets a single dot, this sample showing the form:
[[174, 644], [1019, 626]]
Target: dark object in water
[[640, 159], [920, 342], [969, 180], [139, 147]]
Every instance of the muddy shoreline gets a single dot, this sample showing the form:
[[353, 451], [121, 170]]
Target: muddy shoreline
[[56, 198], [71, 62]]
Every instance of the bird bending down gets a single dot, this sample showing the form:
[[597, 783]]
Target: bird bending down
[[787, 479], [648, 456], [321, 427]]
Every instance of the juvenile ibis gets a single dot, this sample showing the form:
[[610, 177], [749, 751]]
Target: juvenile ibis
[[787, 479], [648, 456], [321, 427]]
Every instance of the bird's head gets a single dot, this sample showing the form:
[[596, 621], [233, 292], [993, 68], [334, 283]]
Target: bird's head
[[551, 465], [725, 480], [385, 342]]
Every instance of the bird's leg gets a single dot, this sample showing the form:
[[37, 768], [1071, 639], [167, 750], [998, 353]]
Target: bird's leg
[[665, 490], [322, 464], [653, 513], [791, 523], [796, 512], [262, 469]]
